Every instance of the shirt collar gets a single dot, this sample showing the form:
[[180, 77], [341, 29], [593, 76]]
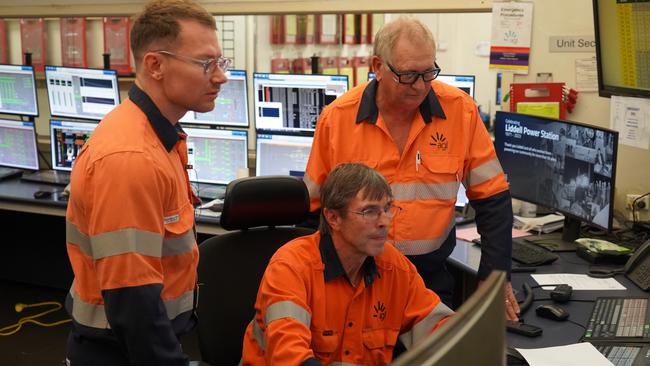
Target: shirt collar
[[368, 110], [167, 133], [334, 268]]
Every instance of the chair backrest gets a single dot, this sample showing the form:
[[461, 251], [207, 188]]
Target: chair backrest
[[231, 265]]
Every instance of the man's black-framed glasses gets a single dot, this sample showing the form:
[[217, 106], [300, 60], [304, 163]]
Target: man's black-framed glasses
[[374, 213], [410, 77], [223, 63]]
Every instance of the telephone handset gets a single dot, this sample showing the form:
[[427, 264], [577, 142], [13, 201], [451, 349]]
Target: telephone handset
[[637, 268]]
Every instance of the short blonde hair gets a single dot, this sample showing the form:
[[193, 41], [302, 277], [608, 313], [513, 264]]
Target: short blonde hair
[[404, 26]]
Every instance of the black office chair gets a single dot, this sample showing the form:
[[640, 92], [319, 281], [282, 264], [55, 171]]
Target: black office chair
[[232, 265]]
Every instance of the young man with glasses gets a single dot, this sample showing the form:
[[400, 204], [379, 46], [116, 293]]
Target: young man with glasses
[[342, 295], [130, 218], [426, 138]]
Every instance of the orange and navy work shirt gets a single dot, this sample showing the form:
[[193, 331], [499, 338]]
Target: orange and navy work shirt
[[308, 313], [447, 145], [130, 234]]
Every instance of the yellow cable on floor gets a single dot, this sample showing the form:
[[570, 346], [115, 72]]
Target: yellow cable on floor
[[13, 328]]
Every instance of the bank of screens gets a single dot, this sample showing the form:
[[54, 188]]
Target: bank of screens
[[292, 103], [18, 145], [80, 92], [18, 90], [282, 155], [66, 140], [230, 106], [216, 156]]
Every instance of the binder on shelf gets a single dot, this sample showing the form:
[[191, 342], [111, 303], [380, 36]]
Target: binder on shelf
[[538, 99], [290, 29], [116, 43], [361, 29], [32, 39], [349, 29], [73, 42], [327, 26], [375, 22], [301, 65], [3, 42], [277, 29], [280, 65]]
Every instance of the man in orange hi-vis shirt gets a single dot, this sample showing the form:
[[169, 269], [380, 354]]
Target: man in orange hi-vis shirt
[[342, 295], [426, 138], [130, 219]]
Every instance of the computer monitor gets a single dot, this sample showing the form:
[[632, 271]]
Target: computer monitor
[[216, 156], [566, 166], [18, 90], [66, 140], [18, 145], [475, 335], [292, 103], [465, 83], [282, 155], [80, 92], [231, 106]]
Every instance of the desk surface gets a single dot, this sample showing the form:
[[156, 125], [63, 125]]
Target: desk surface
[[18, 195]]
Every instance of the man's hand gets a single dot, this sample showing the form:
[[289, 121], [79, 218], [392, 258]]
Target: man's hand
[[512, 307]]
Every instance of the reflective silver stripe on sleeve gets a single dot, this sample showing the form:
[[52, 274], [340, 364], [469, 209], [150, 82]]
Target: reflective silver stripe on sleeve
[[312, 187], [76, 237], [258, 335], [422, 328], [126, 241], [423, 246], [287, 309], [179, 244], [179, 305], [484, 172], [425, 191]]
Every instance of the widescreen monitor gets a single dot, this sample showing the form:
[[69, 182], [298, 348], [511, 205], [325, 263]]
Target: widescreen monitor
[[466, 83], [292, 102], [18, 145], [66, 140], [216, 156], [474, 335], [230, 106], [622, 51], [80, 92], [282, 155], [566, 166], [18, 90]]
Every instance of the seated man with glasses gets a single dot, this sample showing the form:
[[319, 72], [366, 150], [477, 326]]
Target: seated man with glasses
[[426, 138], [342, 295]]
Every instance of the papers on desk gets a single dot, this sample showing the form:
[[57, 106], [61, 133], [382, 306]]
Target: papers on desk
[[570, 355], [470, 233], [577, 281], [544, 224]]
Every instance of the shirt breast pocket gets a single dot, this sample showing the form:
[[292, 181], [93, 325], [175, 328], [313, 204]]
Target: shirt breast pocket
[[446, 167], [379, 344], [324, 345]]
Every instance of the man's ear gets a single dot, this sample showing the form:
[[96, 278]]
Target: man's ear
[[332, 217], [153, 65], [377, 67]]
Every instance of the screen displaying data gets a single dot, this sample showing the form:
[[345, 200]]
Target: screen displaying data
[[282, 155], [230, 107], [18, 90], [216, 156], [292, 103], [18, 145], [80, 92], [66, 140]]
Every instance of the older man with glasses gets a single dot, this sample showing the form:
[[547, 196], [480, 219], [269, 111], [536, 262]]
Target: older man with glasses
[[342, 295], [130, 219], [426, 138]]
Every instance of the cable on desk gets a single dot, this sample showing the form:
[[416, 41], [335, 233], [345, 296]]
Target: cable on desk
[[14, 328]]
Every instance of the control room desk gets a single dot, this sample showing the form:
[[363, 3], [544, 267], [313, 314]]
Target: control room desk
[[554, 333], [33, 234]]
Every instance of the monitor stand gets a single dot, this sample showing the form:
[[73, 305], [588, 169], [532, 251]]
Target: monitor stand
[[559, 242]]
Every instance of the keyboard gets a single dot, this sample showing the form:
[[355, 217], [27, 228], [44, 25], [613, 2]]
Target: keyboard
[[211, 192], [531, 254], [619, 318], [9, 172], [625, 354], [48, 176]]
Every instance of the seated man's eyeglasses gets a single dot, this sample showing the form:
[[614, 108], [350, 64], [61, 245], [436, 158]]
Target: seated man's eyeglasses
[[410, 77], [223, 63], [374, 213]]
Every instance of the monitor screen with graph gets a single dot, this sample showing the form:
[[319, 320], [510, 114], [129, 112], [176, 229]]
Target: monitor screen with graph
[[18, 145], [230, 106], [66, 140], [18, 90], [80, 92], [216, 156], [282, 155]]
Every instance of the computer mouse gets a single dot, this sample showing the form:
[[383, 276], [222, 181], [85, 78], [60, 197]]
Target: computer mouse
[[561, 293], [552, 311], [42, 194]]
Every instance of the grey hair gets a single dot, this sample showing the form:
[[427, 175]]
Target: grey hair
[[406, 26]]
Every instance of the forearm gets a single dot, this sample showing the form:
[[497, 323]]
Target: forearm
[[494, 223]]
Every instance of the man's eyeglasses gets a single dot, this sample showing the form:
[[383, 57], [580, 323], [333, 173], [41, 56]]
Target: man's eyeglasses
[[410, 77], [374, 213], [223, 63]]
